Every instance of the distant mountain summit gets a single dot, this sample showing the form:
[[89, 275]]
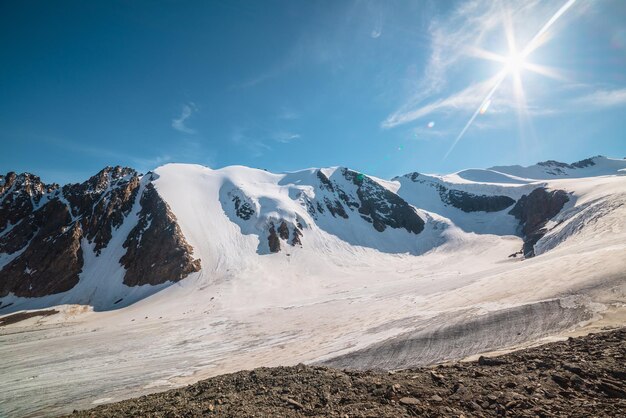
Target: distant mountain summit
[[594, 166]]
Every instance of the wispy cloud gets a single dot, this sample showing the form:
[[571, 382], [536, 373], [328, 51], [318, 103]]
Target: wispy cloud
[[454, 40], [602, 99], [285, 137], [451, 40], [467, 98], [179, 123]]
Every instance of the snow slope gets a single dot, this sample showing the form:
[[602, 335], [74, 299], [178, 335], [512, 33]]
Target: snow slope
[[348, 294]]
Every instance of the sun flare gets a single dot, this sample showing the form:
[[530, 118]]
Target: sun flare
[[514, 63]]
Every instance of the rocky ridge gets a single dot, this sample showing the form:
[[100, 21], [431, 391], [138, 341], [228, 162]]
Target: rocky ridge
[[47, 229], [557, 167], [342, 195], [465, 201]]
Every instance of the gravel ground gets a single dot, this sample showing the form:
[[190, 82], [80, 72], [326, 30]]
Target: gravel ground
[[580, 377]]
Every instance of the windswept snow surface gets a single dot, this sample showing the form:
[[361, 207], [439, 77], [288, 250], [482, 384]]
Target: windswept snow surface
[[349, 295]]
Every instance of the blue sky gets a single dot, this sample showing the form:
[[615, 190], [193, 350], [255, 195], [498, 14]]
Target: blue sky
[[382, 87]]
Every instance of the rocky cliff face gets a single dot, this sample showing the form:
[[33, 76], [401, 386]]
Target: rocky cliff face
[[467, 202], [20, 194], [48, 253], [336, 200], [367, 198], [558, 168], [347, 194], [45, 231], [383, 208], [156, 247], [103, 202], [534, 211]]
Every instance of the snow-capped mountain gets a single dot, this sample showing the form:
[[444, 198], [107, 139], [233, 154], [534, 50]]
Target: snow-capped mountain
[[54, 240], [188, 271], [115, 236]]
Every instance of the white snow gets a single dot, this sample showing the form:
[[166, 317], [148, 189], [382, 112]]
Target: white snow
[[347, 287]]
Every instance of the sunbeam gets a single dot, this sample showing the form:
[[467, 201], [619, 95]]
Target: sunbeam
[[513, 64]]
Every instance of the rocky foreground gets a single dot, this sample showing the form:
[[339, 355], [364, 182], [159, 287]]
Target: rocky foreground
[[580, 377]]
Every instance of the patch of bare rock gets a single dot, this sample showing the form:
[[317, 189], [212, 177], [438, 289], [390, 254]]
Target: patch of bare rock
[[22, 316], [580, 377]]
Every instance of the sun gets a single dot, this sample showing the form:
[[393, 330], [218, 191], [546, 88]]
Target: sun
[[514, 63]]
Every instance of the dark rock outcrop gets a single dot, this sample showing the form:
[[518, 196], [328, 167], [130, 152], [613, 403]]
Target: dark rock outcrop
[[587, 162], [52, 258], [273, 240], [382, 207], [533, 212], [103, 202], [325, 182], [243, 209], [469, 202], [20, 194], [335, 208], [558, 168], [42, 228], [283, 230], [156, 250], [297, 234]]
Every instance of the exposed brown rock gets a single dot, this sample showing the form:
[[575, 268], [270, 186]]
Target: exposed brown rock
[[53, 258], [534, 211], [283, 230], [18, 193], [243, 209], [274, 242], [295, 240], [383, 207], [50, 236], [103, 202], [46, 226], [470, 202], [335, 208], [157, 251], [22, 316], [514, 387]]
